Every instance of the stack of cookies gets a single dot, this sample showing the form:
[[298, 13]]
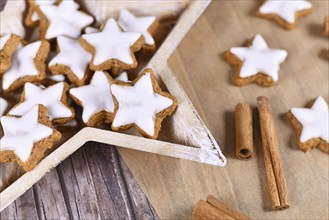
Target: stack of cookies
[[74, 64]]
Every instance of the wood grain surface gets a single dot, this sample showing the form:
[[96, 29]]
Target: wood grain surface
[[94, 183], [174, 186]]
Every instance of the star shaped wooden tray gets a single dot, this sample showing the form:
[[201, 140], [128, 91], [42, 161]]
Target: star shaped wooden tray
[[189, 137]]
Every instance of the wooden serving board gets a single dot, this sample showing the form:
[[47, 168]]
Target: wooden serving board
[[173, 186]]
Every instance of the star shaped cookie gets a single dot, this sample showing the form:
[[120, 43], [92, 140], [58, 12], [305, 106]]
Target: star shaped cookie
[[256, 63], [96, 99], [27, 65], [312, 125], [285, 12], [112, 48], [141, 104], [72, 60], [27, 138], [64, 19], [32, 18], [145, 25], [8, 45], [53, 97]]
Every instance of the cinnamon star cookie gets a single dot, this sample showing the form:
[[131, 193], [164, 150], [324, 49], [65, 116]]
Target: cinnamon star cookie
[[141, 104], [285, 12], [27, 138], [147, 26], [95, 99], [111, 47], [71, 60], [62, 20], [53, 97], [256, 63], [312, 125], [28, 64]]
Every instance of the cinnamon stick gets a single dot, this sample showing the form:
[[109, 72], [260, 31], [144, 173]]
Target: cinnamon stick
[[243, 131], [222, 206], [274, 172], [204, 210], [215, 209]]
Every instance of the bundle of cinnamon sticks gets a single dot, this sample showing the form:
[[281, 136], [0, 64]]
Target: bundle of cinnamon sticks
[[244, 148]]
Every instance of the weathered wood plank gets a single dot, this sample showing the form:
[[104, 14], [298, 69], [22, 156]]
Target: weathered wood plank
[[49, 197], [77, 182], [24, 207], [141, 206], [111, 191], [198, 65]]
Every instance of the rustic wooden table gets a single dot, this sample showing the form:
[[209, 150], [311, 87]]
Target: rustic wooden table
[[96, 183]]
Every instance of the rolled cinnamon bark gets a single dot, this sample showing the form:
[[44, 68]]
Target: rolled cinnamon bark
[[222, 206], [243, 131], [275, 178], [204, 211], [215, 209]]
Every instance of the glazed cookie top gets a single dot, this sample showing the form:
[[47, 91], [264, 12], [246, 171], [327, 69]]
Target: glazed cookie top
[[11, 18], [286, 9], [314, 120], [71, 55], [35, 16], [117, 44], [95, 97], [139, 104], [24, 131], [259, 58], [22, 64], [49, 97], [129, 22], [3, 106], [64, 19]]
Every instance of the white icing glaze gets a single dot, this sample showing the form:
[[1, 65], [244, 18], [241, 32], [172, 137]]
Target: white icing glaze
[[49, 97], [65, 19], [259, 58], [91, 30], [315, 120], [95, 97], [3, 40], [112, 43], [3, 106], [35, 16], [286, 9], [20, 134], [72, 55], [128, 22], [122, 77], [22, 64], [57, 78], [139, 104], [11, 18]]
